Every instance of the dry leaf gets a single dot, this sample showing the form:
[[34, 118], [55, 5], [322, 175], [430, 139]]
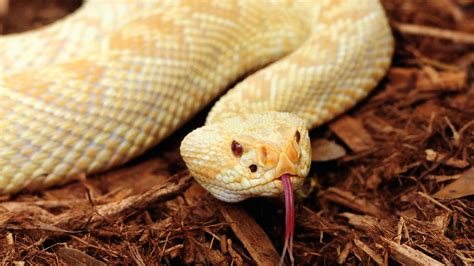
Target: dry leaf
[[352, 132], [73, 256], [463, 186], [326, 150]]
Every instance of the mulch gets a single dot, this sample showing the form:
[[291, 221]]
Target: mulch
[[392, 181]]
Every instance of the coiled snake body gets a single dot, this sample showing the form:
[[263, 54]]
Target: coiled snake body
[[112, 80]]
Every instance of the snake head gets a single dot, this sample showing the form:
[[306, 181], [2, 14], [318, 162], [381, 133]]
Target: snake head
[[246, 155]]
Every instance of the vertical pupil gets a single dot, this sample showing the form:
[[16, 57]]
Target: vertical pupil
[[297, 136], [237, 148]]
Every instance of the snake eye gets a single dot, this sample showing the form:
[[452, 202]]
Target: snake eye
[[297, 136], [253, 168], [236, 148]]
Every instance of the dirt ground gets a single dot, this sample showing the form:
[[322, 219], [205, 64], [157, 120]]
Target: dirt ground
[[392, 181]]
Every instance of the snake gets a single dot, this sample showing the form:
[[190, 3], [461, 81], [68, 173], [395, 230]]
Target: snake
[[105, 84]]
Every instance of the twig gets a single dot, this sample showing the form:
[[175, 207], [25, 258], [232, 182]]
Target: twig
[[434, 201], [401, 224], [128, 205], [173, 249], [455, 36], [444, 178]]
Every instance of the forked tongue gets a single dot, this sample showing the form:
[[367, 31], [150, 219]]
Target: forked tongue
[[289, 219]]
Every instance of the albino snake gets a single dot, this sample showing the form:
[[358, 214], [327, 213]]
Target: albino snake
[[102, 86]]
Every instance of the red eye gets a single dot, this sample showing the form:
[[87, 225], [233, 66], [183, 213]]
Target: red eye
[[297, 136], [236, 148]]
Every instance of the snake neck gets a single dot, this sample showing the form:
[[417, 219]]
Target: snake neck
[[345, 52]]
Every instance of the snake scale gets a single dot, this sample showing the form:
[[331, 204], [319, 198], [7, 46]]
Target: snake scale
[[108, 82]]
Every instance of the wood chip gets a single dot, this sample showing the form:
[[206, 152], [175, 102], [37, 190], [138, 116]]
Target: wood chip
[[10, 240], [445, 81], [439, 157], [442, 221], [363, 222], [451, 7], [367, 250], [250, 234], [408, 256], [193, 193], [428, 80], [344, 253], [3, 8], [236, 258], [223, 241], [373, 182], [350, 200], [216, 258]]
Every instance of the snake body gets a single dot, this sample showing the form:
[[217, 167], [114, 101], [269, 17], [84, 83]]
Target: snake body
[[114, 79]]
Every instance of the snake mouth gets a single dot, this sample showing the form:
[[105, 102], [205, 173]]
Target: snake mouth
[[293, 178], [287, 175]]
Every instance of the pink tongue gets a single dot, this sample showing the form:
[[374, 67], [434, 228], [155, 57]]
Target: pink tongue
[[289, 218]]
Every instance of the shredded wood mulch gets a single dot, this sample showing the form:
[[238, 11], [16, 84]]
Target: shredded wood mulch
[[392, 181]]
